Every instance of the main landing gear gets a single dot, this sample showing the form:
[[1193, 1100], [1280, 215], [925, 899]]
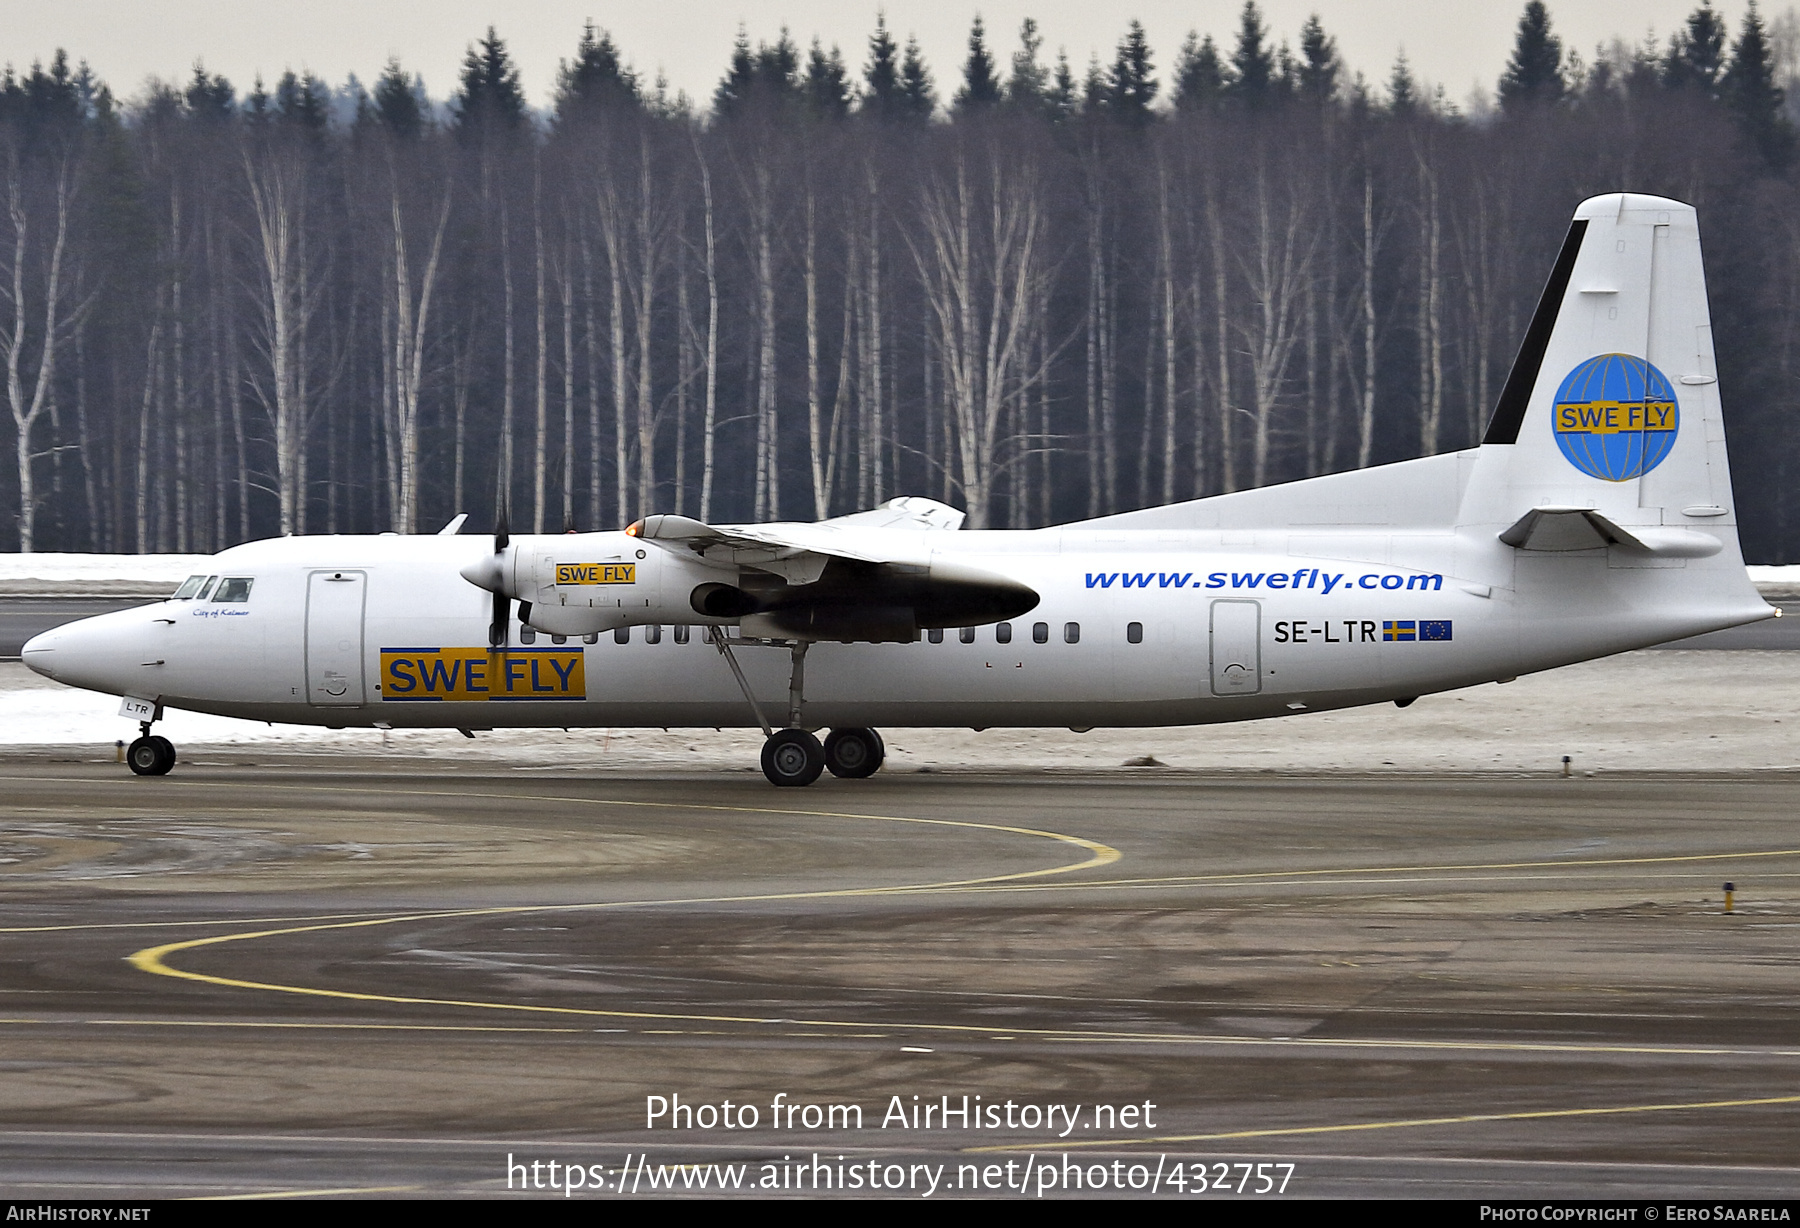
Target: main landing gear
[[150, 754], [792, 757]]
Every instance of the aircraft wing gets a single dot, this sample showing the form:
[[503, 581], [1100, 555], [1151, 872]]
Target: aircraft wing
[[797, 552], [869, 575]]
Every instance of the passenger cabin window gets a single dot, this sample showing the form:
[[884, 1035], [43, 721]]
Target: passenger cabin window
[[592, 637], [1003, 633], [935, 635], [190, 588], [1040, 633], [681, 634], [527, 635], [1134, 633], [652, 635], [622, 635], [234, 589], [1071, 633], [966, 635]]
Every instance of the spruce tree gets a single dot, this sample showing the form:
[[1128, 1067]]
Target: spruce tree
[[769, 76], [882, 95], [1199, 75], [1534, 74], [1403, 90], [1132, 86], [1029, 83], [920, 97], [740, 76], [1319, 67], [489, 99], [210, 97], [827, 84], [1696, 58], [1061, 101], [1696, 53], [980, 82], [1748, 88], [303, 101], [397, 107], [778, 66], [596, 77], [1094, 88], [1252, 62]]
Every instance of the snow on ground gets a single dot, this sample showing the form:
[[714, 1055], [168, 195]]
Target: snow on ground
[[1644, 711], [1784, 579], [145, 568]]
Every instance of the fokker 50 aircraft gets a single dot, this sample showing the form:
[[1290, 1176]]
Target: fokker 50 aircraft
[[1596, 516]]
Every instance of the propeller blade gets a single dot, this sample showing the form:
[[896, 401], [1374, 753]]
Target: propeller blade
[[502, 536], [502, 613]]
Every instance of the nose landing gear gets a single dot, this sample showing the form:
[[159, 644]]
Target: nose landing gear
[[151, 754]]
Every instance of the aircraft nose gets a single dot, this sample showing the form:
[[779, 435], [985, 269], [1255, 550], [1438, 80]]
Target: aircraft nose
[[39, 653]]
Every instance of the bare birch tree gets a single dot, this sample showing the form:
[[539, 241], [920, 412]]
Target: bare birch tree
[[52, 318], [978, 256]]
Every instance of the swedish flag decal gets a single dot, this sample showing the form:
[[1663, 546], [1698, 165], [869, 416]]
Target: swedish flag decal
[[1400, 629]]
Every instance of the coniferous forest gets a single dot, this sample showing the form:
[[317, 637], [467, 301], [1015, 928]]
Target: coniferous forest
[[1037, 290]]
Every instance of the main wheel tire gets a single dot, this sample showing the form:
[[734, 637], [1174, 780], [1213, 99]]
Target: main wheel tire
[[150, 756], [792, 758], [853, 754]]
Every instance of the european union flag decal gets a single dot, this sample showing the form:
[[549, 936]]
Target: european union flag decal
[[1400, 629], [1434, 629]]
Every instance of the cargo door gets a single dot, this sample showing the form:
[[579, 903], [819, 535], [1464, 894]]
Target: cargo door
[[334, 638], [1236, 647]]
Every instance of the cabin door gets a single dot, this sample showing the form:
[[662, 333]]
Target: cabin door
[[334, 638]]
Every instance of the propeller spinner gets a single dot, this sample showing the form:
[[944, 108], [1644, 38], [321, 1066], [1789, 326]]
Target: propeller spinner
[[490, 573]]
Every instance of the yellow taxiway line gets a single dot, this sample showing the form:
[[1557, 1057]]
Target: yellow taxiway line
[[1404, 1124]]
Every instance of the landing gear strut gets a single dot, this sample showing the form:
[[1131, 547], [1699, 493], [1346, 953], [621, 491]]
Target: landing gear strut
[[150, 754], [792, 757]]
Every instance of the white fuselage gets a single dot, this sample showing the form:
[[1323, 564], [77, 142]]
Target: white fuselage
[[1136, 628]]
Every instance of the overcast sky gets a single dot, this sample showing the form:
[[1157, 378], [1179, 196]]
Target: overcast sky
[[1457, 45]]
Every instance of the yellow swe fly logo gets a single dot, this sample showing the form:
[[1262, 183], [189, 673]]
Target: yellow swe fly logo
[[596, 573], [1615, 417], [462, 675]]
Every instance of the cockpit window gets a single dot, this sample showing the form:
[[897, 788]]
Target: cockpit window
[[189, 588], [205, 588], [233, 588]]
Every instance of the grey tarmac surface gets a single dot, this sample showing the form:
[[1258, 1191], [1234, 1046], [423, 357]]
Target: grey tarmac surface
[[267, 974]]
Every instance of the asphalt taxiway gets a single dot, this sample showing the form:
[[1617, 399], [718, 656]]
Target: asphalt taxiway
[[269, 975]]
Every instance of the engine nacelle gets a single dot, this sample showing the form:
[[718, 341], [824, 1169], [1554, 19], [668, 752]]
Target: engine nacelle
[[580, 584], [586, 583]]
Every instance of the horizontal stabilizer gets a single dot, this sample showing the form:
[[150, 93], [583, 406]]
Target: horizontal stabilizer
[[1583, 528]]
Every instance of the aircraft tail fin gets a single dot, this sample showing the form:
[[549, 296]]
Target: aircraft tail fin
[[1608, 429]]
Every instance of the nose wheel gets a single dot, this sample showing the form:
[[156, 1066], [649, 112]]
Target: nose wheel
[[151, 755]]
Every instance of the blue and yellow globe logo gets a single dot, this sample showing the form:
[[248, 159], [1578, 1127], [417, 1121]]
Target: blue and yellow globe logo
[[1616, 417]]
